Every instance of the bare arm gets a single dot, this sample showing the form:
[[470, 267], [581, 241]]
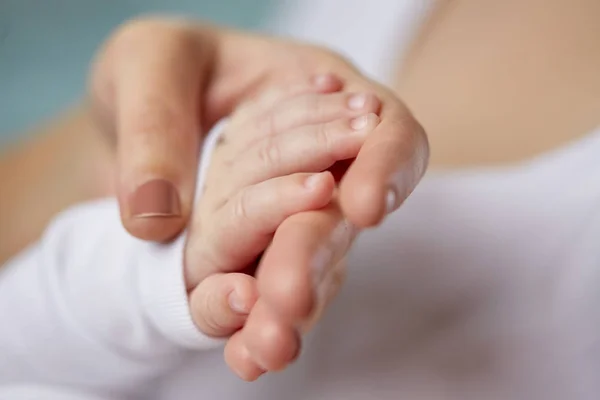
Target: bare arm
[[61, 163]]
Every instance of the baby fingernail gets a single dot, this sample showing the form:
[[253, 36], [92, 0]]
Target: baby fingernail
[[155, 198], [357, 101], [312, 181], [359, 123], [237, 304], [323, 80]]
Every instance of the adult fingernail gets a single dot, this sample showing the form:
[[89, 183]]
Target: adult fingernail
[[332, 250], [357, 101], [399, 187], [252, 370], [392, 201], [343, 235], [322, 293], [405, 180], [321, 261], [155, 198], [237, 304]]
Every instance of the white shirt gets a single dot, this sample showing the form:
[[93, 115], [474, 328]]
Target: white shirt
[[485, 285]]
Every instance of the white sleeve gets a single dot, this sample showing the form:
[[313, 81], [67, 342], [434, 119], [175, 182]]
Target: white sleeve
[[91, 307]]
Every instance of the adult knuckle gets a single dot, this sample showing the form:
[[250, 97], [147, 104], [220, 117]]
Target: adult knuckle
[[152, 34], [134, 30], [144, 24], [409, 134]]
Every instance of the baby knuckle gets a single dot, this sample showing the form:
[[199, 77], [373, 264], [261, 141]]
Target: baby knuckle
[[312, 105], [241, 207], [325, 138], [209, 312], [269, 152], [264, 124], [198, 308]]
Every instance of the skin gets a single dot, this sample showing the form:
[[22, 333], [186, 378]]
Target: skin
[[50, 169], [525, 105], [157, 85], [538, 106], [247, 195]]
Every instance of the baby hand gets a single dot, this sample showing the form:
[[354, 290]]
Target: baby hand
[[271, 162]]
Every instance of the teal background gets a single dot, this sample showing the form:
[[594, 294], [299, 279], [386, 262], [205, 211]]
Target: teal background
[[46, 46]]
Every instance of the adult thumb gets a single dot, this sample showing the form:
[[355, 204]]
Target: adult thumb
[[147, 85]]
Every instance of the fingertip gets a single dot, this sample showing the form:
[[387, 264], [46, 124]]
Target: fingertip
[[385, 173], [363, 203], [327, 83], [321, 187], [221, 303], [329, 178], [239, 360], [272, 342], [244, 294]]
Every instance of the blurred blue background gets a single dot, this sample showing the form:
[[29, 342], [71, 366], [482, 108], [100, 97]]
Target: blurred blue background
[[46, 46]]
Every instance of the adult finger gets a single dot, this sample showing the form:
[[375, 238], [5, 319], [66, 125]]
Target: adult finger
[[244, 226], [325, 292], [299, 275], [265, 63], [154, 70], [389, 165], [272, 342], [240, 361], [305, 248], [269, 343]]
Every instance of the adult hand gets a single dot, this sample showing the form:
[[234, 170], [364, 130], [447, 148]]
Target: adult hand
[[159, 85]]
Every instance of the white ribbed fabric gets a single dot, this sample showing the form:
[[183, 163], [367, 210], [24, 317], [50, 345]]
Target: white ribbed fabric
[[90, 310], [90, 307]]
